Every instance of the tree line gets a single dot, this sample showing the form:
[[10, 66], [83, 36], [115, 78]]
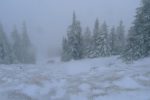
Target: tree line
[[17, 49], [99, 43], [102, 42]]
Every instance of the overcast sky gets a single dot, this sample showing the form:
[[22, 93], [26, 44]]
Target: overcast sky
[[47, 20]]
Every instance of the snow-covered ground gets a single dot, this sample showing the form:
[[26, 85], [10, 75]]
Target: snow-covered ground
[[96, 79]]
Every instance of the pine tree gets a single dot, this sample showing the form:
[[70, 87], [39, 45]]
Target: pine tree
[[75, 39], [130, 53], [65, 56], [104, 43], [142, 27], [100, 40], [112, 41], [96, 40], [120, 38], [5, 48], [17, 46], [87, 43], [28, 52], [139, 35]]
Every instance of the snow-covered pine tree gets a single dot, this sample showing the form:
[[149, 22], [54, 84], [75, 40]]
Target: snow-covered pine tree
[[95, 52], [75, 39], [130, 53], [120, 31], [140, 34], [6, 56], [100, 40], [142, 27], [104, 42], [28, 52], [87, 42], [112, 41], [65, 56], [16, 46]]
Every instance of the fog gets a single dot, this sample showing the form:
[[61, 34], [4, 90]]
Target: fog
[[47, 20]]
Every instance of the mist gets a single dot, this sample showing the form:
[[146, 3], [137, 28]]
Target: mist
[[47, 20], [74, 49]]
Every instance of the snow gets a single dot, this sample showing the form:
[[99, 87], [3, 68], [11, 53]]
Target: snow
[[127, 82], [78, 97], [84, 87], [31, 90], [126, 96], [89, 79]]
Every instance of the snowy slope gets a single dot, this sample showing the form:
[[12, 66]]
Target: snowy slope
[[96, 79]]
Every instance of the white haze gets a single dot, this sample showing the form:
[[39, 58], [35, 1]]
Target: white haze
[[47, 20]]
